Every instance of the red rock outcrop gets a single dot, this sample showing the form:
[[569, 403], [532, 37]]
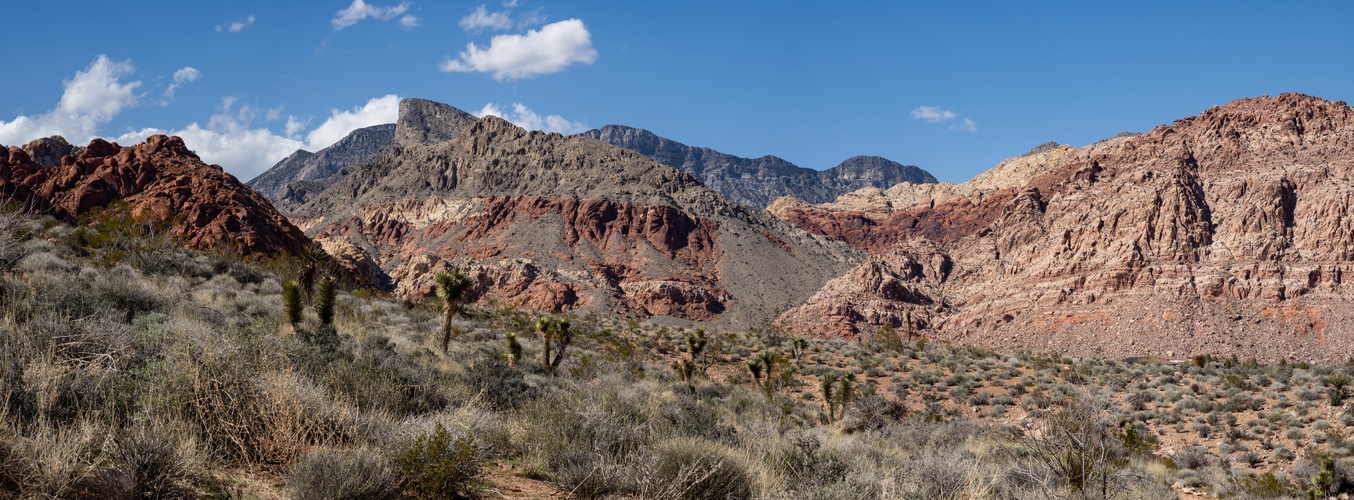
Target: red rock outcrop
[[160, 177], [1226, 232], [550, 222]]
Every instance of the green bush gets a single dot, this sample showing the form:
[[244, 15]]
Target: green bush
[[436, 466]]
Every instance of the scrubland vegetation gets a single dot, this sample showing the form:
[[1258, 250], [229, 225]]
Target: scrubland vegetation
[[131, 367]]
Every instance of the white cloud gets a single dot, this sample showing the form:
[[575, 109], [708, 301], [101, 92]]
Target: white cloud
[[481, 19], [230, 140], [409, 22], [97, 94], [93, 97], [295, 125], [377, 111], [510, 57], [936, 114], [524, 117], [237, 25], [360, 10], [510, 4], [933, 114], [186, 74], [531, 18]]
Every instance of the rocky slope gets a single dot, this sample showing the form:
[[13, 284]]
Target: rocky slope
[[159, 177], [307, 166], [757, 182], [1226, 232], [551, 222]]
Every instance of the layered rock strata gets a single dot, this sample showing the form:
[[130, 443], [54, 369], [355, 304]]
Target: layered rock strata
[[566, 223], [1227, 232]]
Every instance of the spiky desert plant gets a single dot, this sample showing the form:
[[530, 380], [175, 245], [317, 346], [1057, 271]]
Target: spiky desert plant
[[695, 347], [827, 384], [514, 349], [553, 331], [451, 288], [291, 301], [324, 303], [797, 348], [755, 367], [313, 258], [846, 391], [908, 317]]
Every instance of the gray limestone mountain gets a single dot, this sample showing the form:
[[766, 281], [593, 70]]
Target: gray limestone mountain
[[550, 222], [759, 181], [307, 166], [293, 181]]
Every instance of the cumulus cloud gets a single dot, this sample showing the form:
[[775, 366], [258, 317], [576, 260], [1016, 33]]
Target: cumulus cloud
[[936, 114], [538, 52], [184, 75], [524, 117], [482, 19], [409, 22], [377, 111], [93, 97], [360, 10], [236, 26], [230, 138]]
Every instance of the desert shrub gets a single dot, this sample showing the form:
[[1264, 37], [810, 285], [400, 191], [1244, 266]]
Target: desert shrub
[[147, 464], [695, 468], [361, 474], [437, 466], [377, 377]]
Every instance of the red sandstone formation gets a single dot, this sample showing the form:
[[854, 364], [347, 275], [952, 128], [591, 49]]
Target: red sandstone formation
[[1227, 232], [160, 177]]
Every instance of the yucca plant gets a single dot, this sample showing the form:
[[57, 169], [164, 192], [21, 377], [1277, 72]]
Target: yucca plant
[[514, 349], [313, 258], [451, 288], [291, 301], [556, 331], [324, 306]]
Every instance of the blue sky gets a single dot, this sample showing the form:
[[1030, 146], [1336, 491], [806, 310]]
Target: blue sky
[[951, 87]]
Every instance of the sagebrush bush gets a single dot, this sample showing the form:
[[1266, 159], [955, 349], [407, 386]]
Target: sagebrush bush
[[360, 474]]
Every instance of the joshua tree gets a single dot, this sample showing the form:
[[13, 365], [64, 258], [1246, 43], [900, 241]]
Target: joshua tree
[[557, 330], [451, 288], [695, 346], [846, 391], [907, 315], [767, 372], [514, 349], [797, 347], [291, 301], [324, 306]]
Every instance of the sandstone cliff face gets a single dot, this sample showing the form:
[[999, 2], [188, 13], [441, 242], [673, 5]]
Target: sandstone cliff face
[[1226, 232], [757, 182], [160, 177], [48, 151], [550, 222], [320, 165]]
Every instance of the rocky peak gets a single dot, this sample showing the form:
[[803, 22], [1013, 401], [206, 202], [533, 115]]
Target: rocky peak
[[161, 177], [759, 181], [303, 168], [424, 122], [48, 151]]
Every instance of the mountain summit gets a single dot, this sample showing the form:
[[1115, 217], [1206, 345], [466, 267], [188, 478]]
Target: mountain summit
[[551, 222], [757, 182]]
